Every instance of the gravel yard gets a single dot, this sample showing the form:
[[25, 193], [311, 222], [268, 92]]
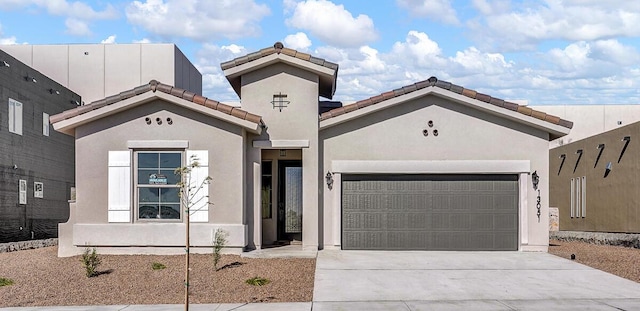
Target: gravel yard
[[618, 260], [43, 279]]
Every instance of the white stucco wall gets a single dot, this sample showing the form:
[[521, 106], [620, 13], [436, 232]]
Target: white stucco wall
[[464, 134], [589, 120], [95, 71], [224, 143], [298, 121]]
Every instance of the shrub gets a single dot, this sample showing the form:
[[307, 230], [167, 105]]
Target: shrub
[[158, 266], [219, 241], [5, 282], [257, 281], [90, 262]]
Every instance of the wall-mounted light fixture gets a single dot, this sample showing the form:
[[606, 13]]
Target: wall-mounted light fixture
[[52, 91], [535, 179], [280, 101], [75, 102], [30, 79], [626, 141], [4, 64], [563, 157], [329, 179], [601, 148], [607, 170], [579, 153]]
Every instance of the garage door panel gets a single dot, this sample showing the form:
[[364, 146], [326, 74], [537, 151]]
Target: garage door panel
[[430, 212]]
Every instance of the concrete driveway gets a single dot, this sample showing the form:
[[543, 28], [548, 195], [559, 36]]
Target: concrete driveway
[[378, 280]]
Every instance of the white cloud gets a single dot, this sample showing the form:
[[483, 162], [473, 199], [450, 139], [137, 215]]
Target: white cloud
[[298, 41], [439, 10], [143, 40], [473, 60], [574, 20], [487, 8], [6, 40], [78, 14], [109, 40], [332, 23], [198, 19], [77, 27], [208, 60], [420, 50]]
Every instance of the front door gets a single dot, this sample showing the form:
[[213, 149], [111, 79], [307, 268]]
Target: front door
[[290, 200]]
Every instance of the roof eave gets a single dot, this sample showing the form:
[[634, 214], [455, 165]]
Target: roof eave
[[555, 131], [328, 76], [68, 126]]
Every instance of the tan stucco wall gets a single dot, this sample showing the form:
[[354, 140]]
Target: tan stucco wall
[[297, 121], [612, 202], [223, 141], [464, 134]]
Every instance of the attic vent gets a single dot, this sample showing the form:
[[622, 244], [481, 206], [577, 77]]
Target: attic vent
[[278, 46]]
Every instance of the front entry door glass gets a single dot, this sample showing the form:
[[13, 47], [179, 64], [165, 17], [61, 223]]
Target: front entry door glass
[[289, 199], [293, 200]]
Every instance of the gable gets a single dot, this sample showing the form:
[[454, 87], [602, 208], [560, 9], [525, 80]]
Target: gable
[[67, 121], [553, 125]]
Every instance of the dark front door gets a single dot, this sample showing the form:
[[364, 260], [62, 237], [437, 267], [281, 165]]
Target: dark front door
[[289, 200]]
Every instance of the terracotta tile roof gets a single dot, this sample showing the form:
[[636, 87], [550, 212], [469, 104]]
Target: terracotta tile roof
[[434, 82], [155, 86], [278, 48]]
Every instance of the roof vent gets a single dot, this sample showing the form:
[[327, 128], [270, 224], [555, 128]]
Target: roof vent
[[278, 46], [433, 80]]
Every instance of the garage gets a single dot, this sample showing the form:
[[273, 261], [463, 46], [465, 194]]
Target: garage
[[430, 212]]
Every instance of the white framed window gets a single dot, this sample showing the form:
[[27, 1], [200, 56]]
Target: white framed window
[[578, 194], [38, 190], [156, 189], [45, 124], [22, 192], [15, 116]]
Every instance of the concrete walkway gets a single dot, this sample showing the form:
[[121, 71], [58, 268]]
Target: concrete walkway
[[408, 281]]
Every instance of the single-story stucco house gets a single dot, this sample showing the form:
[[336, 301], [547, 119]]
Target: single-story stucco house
[[429, 166]]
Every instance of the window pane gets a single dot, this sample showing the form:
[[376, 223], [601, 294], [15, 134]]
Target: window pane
[[148, 160], [170, 211], [151, 195], [149, 211], [171, 176], [169, 195], [170, 160]]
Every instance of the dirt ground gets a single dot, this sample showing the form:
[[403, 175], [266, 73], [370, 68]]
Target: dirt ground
[[43, 279], [618, 260]]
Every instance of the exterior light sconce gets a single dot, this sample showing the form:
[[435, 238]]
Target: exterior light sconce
[[4, 64], [601, 148], [563, 157], [29, 78], [535, 179], [626, 141], [579, 153], [607, 170], [52, 91], [280, 101], [329, 179]]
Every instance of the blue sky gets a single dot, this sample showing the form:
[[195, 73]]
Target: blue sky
[[541, 51]]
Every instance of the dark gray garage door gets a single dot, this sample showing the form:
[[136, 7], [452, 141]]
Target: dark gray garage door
[[430, 212]]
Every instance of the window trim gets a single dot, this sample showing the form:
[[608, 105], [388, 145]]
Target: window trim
[[46, 127], [15, 116], [36, 193], [136, 186]]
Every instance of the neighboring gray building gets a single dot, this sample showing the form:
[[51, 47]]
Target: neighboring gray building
[[430, 166], [36, 163], [96, 71]]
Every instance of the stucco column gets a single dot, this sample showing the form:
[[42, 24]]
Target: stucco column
[[310, 192]]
